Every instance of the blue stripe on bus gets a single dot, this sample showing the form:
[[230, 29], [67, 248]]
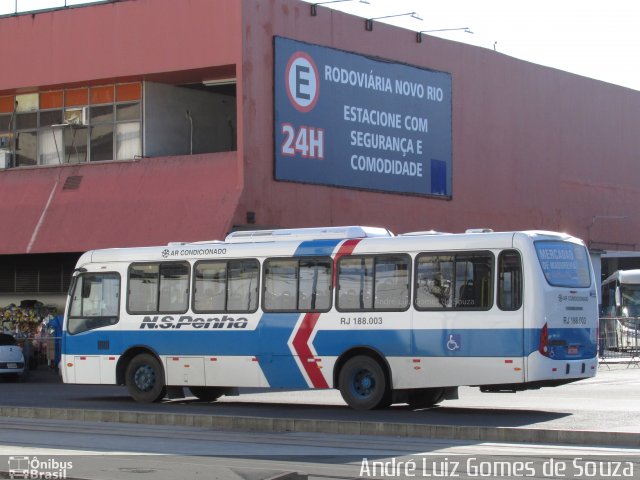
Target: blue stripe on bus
[[164, 342], [426, 343], [269, 344], [560, 339], [278, 365], [391, 343], [275, 330], [504, 342], [316, 248]]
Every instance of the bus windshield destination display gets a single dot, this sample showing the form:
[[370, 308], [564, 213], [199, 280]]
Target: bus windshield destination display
[[564, 264]]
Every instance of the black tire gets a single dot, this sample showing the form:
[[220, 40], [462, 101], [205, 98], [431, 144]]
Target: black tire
[[425, 397], [207, 394], [363, 384], [145, 379]]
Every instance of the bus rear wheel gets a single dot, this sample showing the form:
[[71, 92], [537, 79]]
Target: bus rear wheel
[[207, 394], [363, 384], [425, 397], [145, 379]]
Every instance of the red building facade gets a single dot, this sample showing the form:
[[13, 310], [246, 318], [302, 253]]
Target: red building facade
[[192, 157]]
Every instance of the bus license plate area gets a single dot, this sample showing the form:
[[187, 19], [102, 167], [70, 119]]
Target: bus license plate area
[[573, 349]]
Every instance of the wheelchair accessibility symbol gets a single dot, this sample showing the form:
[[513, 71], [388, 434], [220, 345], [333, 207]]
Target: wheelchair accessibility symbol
[[454, 342]]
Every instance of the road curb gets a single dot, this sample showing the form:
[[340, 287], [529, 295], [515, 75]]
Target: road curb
[[300, 425]]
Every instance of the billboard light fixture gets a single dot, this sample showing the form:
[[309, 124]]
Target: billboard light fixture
[[368, 23], [314, 6], [419, 34]]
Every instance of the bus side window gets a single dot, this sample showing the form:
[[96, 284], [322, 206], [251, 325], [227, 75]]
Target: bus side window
[[378, 283], [242, 289], [226, 286], [143, 288], [158, 287], [315, 285], [509, 280], [174, 287], [297, 284], [461, 281], [474, 280], [392, 283], [434, 281], [280, 285], [210, 284], [355, 283]]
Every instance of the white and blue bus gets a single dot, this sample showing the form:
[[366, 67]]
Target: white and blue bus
[[383, 318], [620, 312]]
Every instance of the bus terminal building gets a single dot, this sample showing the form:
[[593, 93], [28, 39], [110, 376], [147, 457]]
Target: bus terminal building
[[142, 122]]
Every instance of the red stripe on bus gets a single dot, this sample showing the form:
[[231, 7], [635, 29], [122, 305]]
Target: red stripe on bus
[[346, 248], [301, 346]]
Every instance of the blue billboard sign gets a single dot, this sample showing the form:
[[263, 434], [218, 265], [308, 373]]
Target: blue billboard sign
[[353, 121]]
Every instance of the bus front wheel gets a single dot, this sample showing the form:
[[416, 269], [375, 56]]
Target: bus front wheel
[[363, 384], [145, 379]]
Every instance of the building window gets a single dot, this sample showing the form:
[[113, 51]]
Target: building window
[[76, 125], [50, 140], [26, 148]]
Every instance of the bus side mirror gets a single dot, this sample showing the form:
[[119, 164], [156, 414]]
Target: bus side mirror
[[618, 297]]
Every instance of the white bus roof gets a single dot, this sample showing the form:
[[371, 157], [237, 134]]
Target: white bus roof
[[624, 276], [320, 233], [274, 243]]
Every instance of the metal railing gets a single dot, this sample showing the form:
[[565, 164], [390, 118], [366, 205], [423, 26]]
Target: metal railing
[[619, 339]]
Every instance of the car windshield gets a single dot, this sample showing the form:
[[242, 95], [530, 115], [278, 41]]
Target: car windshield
[[6, 340]]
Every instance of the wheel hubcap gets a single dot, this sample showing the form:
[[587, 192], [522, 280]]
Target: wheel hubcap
[[145, 378], [364, 383]]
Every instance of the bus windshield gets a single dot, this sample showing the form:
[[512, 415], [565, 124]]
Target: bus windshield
[[564, 264], [630, 300]]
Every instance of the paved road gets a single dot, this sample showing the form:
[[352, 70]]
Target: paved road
[[608, 402], [125, 451]]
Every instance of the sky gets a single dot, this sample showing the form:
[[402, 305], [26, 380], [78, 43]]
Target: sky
[[594, 38]]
